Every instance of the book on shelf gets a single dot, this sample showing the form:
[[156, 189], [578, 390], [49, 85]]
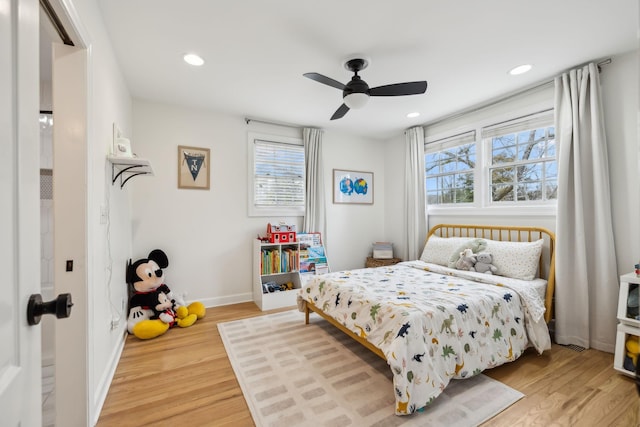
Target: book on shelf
[[313, 260], [270, 261], [322, 268], [274, 261], [290, 260], [309, 239]]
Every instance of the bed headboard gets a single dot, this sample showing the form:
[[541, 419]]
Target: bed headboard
[[510, 233]]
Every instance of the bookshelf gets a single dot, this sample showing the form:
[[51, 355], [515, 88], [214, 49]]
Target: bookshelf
[[276, 268], [280, 269]]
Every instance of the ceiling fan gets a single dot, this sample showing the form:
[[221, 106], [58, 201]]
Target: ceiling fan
[[356, 93]]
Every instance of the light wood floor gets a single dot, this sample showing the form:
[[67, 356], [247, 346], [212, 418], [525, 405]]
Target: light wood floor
[[184, 378]]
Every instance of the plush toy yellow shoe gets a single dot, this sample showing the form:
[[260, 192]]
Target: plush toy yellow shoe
[[187, 316], [147, 329], [198, 309], [183, 318]]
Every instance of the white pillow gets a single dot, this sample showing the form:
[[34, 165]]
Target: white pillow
[[518, 260], [438, 250]]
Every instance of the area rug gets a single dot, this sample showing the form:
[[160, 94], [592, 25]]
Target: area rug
[[292, 374]]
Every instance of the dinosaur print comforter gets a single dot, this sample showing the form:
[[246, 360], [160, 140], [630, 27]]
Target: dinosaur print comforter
[[432, 325]]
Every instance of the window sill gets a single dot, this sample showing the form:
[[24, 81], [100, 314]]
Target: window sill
[[275, 212], [538, 210]]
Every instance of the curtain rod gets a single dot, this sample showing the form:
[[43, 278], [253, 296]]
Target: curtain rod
[[249, 120], [497, 100], [604, 62]]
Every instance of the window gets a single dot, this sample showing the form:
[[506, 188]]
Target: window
[[523, 164], [277, 176], [513, 163], [449, 169]]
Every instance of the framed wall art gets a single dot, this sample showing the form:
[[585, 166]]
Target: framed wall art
[[352, 187], [194, 167]]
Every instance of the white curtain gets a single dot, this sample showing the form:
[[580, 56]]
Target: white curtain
[[314, 209], [415, 208], [586, 272]]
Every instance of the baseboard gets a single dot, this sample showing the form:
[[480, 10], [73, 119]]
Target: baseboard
[[227, 300], [105, 382]]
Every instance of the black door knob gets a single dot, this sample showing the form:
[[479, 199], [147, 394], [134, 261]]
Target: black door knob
[[61, 307]]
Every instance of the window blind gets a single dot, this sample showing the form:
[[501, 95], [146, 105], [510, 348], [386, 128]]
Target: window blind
[[534, 121], [278, 174], [451, 141]]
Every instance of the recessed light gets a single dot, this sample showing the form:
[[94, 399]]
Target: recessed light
[[520, 69], [412, 115], [193, 59]]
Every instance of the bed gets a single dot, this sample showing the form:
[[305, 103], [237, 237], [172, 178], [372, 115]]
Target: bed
[[432, 322]]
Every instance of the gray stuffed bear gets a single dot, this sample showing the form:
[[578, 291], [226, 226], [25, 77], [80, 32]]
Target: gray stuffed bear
[[484, 263]]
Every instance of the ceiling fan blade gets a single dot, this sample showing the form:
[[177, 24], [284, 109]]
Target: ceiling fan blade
[[340, 112], [324, 80], [399, 89]]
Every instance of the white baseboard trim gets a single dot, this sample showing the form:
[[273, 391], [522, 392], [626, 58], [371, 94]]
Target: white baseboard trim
[[227, 300], [105, 382]]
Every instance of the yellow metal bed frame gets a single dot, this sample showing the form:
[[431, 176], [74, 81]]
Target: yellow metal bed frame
[[506, 233]]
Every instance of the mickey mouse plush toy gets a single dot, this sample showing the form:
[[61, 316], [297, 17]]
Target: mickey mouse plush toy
[[152, 307]]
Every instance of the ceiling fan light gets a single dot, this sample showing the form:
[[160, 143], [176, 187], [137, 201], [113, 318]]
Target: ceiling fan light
[[356, 100]]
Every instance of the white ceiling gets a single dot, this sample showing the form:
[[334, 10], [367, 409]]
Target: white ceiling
[[256, 52]]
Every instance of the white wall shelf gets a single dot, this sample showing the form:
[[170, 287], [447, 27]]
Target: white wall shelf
[[126, 168]]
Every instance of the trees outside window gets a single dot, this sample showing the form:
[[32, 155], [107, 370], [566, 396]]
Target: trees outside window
[[523, 166], [513, 163]]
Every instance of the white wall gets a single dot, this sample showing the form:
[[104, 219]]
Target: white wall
[[109, 245], [352, 229], [207, 234], [394, 216]]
